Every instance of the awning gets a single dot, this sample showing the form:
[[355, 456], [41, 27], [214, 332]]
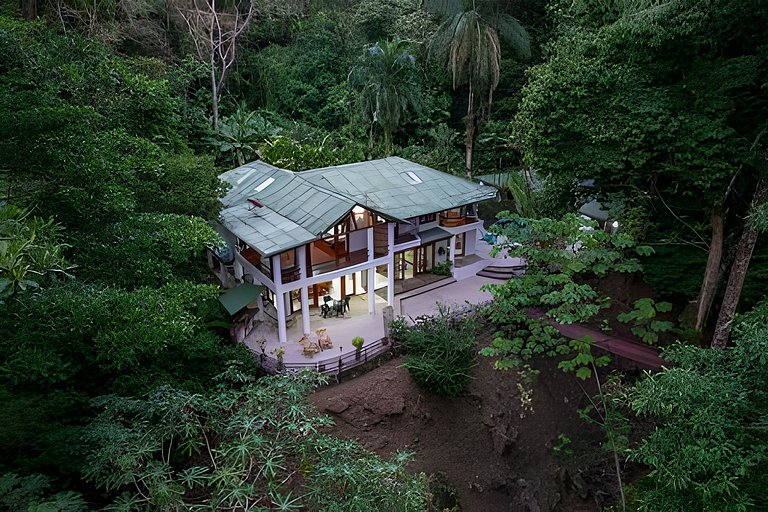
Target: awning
[[240, 296], [433, 234]]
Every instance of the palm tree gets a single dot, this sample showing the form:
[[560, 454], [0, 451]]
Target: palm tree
[[388, 81], [467, 43]]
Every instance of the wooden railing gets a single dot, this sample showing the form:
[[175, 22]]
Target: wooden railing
[[452, 219], [331, 365]]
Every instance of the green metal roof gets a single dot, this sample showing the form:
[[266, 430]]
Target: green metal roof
[[500, 180], [387, 186], [433, 234], [294, 211], [297, 208], [237, 298]]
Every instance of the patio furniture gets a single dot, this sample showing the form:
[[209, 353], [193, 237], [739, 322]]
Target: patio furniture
[[346, 304], [324, 310], [323, 339], [310, 347]]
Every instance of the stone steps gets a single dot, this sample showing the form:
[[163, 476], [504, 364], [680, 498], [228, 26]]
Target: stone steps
[[502, 273]]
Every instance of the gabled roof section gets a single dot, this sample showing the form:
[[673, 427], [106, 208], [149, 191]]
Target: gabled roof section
[[399, 188], [294, 211], [274, 210]]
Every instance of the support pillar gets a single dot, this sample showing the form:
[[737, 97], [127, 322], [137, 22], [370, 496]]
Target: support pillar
[[452, 249], [371, 274], [371, 290], [301, 255], [391, 264], [282, 333]]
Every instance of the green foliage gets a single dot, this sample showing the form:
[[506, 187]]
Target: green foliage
[[246, 444], [642, 317], [562, 447], [438, 150], [185, 184], [674, 270], [558, 255], [147, 249], [304, 80], [110, 340], [441, 351], [286, 153], [31, 254], [240, 135], [389, 86], [708, 452], [357, 342], [584, 362], [89, 137], [30, 493], [442, 269]]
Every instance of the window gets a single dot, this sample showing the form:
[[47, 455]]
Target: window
[[423, 219]]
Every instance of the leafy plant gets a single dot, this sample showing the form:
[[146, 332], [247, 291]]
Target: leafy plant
[[357, 342], [643, 317], [562, 447], [247, 445], [240, 135], [441, 351], [443, 269], [555, 252], [31, 253], [708, 452], [388, 83], [32, 494], [605, 406]]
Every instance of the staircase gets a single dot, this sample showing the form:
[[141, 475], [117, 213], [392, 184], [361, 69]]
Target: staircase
[[502, 273]]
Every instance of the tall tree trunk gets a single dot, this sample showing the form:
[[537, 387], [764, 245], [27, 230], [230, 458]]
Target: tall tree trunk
[[215, 91], [29, 9], [738, 272], [712, 270], [470, 131]]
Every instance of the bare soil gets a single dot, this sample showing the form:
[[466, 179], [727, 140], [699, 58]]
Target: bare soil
[[495, 459]]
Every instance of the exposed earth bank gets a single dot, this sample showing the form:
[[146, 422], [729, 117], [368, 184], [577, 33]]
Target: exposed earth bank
[[495, 459]]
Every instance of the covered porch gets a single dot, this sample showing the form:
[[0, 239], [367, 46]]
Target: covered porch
[[263, 339]]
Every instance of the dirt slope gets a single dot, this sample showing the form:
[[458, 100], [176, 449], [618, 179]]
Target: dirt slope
[[495, 459]]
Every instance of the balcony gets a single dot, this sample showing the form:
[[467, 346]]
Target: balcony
[[347, 260], [254, 258], [455, 219]]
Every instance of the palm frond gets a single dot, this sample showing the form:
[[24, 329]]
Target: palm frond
[[444, 7], [511, 31]]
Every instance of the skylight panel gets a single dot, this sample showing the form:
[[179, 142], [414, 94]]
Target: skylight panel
[[264, 184], [411, 178]]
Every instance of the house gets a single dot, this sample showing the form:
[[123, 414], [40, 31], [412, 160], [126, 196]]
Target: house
[[344, 230]]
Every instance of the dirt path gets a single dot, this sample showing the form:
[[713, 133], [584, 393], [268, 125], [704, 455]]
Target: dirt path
[[496, 460]]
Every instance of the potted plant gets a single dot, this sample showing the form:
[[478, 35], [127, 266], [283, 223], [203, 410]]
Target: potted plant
[[279, 352], [357, 342]]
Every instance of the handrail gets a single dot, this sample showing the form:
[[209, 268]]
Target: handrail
[[332, 365]]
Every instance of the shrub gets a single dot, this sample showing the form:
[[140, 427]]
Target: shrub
[[441, 352], [357, 342]]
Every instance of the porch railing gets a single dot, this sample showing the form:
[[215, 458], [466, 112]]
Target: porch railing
[[331, 365]]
